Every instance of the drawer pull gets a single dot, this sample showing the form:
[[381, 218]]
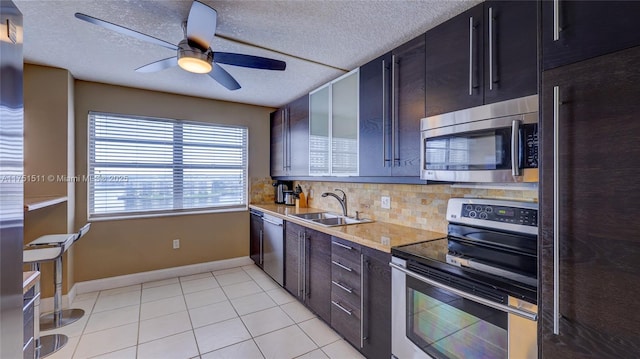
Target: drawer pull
[[342, 266], [345, 288], [342, 245], [341, 307]]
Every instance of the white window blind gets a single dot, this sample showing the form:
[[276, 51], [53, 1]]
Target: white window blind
[[146, 166]]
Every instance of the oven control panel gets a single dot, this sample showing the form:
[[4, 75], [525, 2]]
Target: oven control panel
[[497, 213]]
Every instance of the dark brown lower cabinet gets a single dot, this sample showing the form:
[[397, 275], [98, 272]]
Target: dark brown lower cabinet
[[361, 297], [255, 237], [308, 268], [595, 105], [377, 304]]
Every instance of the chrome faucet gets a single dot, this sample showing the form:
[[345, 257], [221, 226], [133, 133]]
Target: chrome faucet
[[343, 200]]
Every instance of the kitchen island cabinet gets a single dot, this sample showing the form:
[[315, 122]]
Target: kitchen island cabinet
[[589, 196]]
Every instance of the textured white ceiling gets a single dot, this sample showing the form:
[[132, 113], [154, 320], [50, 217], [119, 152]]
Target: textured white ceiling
[[341, 34]]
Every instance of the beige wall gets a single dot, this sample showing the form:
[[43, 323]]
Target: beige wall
[[121, 247], [48, 131]]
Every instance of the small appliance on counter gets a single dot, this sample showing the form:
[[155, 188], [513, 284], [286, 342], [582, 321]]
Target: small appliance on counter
[[289, 198], [281, 187]]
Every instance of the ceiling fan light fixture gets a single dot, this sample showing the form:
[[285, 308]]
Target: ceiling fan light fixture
[[193, 59]]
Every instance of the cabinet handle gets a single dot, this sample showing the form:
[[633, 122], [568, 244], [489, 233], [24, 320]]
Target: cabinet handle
[[471, 56], [342, 266], [342, 245], [556, 20], [284, 140], [261, 248], [384, 115], [342, 286], [490, 49], [272, 222], [515, 148], [300, 258], [341, 307], [288, 139], [394, 110], [304, 265], [556, 208], [363, 311]]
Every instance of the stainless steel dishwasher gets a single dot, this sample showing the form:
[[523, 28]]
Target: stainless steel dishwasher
[[273, 247]]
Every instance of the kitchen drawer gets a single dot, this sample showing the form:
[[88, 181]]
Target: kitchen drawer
[[344, 248], [343, 296], [346, 321], [345, 272], [348, 260]]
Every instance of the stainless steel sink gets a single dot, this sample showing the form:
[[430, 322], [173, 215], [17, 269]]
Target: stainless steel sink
[[315, 216], [328, 219]]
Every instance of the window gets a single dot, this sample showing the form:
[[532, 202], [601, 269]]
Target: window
[[146, 166]]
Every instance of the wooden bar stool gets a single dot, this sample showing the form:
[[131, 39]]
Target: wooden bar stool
[[51, 248]]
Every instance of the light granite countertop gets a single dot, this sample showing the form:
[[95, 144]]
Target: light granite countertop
[[378, 235]]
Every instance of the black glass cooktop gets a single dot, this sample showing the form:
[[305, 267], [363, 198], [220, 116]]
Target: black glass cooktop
[[433, 254]]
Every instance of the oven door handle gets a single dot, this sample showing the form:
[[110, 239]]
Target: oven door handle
[[474, 298]]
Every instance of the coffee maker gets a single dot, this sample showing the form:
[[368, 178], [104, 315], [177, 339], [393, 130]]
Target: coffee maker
[[280, 188]]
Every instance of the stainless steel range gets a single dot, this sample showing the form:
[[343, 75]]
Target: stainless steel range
[[474, 293]]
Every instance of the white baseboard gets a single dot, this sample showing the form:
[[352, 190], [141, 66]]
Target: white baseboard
[[160, 274], [46, 304]]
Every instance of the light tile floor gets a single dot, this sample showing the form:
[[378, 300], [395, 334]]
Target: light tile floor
[[233, 313]]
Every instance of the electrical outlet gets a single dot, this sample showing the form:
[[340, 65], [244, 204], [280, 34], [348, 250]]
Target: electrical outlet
[[176, 243], [311, 193], [385, 202], [385, 240]]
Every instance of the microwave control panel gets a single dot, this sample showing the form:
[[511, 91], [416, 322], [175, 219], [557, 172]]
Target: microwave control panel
[[514, 215], [530, 147]]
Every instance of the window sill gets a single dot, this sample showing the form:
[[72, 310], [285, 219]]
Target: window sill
[[168, 214]]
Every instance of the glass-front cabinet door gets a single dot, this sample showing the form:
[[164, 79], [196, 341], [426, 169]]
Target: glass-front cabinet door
[[333, 128], [319, 132], [344, 126]]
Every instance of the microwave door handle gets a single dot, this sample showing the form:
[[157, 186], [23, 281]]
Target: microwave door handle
[[515, 148]]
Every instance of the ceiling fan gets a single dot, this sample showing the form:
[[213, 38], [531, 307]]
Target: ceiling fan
[[194, 53]]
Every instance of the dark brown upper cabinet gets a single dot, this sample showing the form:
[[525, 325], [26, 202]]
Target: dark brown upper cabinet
[[375, 117], [484, 55], [391, 106], [573, 31], [290, 139], [589, 268]]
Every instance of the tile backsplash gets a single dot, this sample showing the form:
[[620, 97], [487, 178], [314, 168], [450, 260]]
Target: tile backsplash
[[417, 206]]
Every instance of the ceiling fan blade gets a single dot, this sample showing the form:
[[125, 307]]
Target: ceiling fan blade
[[159, 65], [254, 62], [201, 25], [224, 78], [125, 31]]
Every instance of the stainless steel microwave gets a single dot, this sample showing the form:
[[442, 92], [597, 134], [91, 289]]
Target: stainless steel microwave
[[491, 143]]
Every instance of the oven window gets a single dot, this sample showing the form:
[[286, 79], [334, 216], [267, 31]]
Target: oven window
[[486, 150], [445, 325]]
